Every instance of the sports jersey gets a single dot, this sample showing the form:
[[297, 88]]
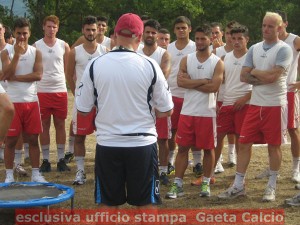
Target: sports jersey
[[176, 56], [265, 57], [82, 58], [23, 91], [292, 74], [233, 87], [198, 103], [1, 89], [128, 87], [156, 55], [53, 79]]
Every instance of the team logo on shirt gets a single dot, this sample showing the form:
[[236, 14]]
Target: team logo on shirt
[[264, 55], [237, 63], [200, 67], [179, 54], [51, 51]]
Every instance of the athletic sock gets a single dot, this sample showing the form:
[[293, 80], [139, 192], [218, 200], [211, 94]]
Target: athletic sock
[[273, 178], [35, 172], [171, 157], [163, 169], [197, 155], [9, 172], [2, 152], [231, 147], [178, 181], [46, 151], [80, 162], [296, 164], [60, 151], [206, 179], [71, 144], [239, 180], [18, 156], [26, 150]]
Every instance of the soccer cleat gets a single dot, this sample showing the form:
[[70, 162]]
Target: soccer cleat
[[9, 178], [204, 189], [62, 166], [296, 177], [20, 171], [263, 174], [232, 193], [198, 181], [38, 178], [198, 170], [171, 169], [219, 168], [80, 178], [294, 201], [45, 167], [68, 157], [231, 158], [269, 195], [164, 180], [175, 192]]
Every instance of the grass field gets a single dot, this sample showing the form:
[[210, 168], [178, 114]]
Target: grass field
[[84, 194]]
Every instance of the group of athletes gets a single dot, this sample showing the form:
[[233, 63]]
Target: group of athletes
[[217, 88]]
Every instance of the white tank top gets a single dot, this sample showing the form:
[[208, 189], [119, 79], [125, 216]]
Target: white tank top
[[106, 42], [53, 79], [23, 91], [7, 46], [198, 103], [292, 74], [273, 94], [176, 56], [234, 88], [82, 58], [156, 55]]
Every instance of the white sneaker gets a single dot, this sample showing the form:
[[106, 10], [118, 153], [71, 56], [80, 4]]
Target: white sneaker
[[297, 186], [80, 178], [263, 174], [232, 158], [269, 195], [38, 178], [296, 177], [232, 193], [294, 201], [9, 178], [219, 168]]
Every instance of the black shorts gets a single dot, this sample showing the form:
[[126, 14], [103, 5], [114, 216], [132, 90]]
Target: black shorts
[[126, 174]]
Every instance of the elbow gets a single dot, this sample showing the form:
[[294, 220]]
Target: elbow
[[39, 76]]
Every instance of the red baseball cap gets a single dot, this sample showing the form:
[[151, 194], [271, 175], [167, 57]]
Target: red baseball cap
[[130, 22]]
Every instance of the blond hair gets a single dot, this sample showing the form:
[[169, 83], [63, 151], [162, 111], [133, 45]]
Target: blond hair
[[276, 16]]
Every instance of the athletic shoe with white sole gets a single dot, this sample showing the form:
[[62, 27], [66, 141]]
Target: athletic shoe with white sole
[[294, 201], [296, 177], [171, 169], [297, 186], [175, 192], [46, 166], [9, 178], [19, 170], [204, 189], [269, 195], [232, 193], [68, 157], [231, 158], [62, 166], [198, 170], [219, 168], [38, 178], [80, 178]]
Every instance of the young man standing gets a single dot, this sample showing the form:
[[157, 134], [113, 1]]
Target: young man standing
[[201, 74], [79, 57], [163, 38], [22, 68], [163, 125], [52, 92], [266, 67]]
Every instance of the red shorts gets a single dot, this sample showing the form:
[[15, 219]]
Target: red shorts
[[84, 124], [229, 120], [264, 125], [178, 102], [197, 131], [163, 127], [293, 110], [55, 104], [27, 118]]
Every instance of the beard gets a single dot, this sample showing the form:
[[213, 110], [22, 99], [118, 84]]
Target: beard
[[149, 42], [90, 38]]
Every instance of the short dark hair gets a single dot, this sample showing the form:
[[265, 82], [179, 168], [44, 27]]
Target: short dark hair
[[231, 24], [21, 22], [102, 18], [145, 17], [282, 14], [152, 23], [8, 33], [88, 20], [205, 28], [240, 29], [216, 24], [182, 19], [164, 31]]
